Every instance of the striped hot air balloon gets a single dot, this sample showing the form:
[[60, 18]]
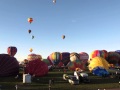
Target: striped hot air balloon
[[12, 50], [9, 66]]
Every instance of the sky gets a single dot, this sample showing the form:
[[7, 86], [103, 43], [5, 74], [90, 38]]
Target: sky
[[87, 24]]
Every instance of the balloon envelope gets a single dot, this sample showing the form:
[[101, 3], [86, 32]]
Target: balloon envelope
[[65, 58], [12, 50], [8, 65], [30, 20]]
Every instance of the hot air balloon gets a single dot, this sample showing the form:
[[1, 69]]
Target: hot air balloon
[[55, 57], [54, 1], [31, 50], [33, 57], [37, 68], [74, 56], [29, 31], [12, 50], [8, 65], [84, 57], [65, 58], [113, 58], [30, 20], [47, 61], [63, 36], [32, 37], [77, 64]]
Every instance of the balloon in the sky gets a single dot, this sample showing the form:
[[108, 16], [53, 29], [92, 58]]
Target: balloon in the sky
[[8, 65], [12, 50], [54, 1], [31, 50], [98, 62], [32, 37], [63, 36], [30, 20], [37, 67], [29, 31]]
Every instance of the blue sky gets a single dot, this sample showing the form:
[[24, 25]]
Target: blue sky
[[87, 24]]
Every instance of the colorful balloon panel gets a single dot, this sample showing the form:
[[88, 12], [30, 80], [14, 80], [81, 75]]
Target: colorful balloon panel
[[47, 61], [9, 66], [98, 62], [55, 57], [74, 56], [12, 50], [76, 64], [37, 68], [65, 58], [33, 56]]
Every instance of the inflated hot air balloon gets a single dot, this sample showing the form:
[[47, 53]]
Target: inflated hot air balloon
[[32, 37], [37, 68], [113, 58], [30, 20], [12, 50], [33, 57], [65, 58], [29, 31], [31, 50], [74, 56], [84, 57], [55, 57], [97, 53], [77, 64], [8, 65], [63, 36], [47, 61], [54, 1], [105, 54], [98, 62]]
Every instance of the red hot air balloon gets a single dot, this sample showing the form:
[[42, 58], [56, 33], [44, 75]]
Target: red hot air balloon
[[9, 66], [11, 50]]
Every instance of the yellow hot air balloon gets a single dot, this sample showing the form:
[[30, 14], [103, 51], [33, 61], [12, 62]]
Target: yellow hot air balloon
[[31, 50], [98, 62]]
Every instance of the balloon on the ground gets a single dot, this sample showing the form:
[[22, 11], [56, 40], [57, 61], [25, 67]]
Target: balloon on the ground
[[11, 50], [84, 57], [65, 58], [30, 20], [9, 66], [55, 57], [113, 58], [33, 56], [37, 68], [105, 54], [98, 62], [47, 61], [76, 64], [74, 56], [100, 71], [97, 53]]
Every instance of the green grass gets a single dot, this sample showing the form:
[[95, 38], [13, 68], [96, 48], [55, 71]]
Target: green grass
[[42, 83]]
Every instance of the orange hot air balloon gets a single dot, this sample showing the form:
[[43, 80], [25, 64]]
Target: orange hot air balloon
[[30, 20], [29, 31], [63, 36]]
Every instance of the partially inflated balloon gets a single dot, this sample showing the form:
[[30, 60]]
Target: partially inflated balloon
[[74, 56], [12, 50], [65, 58], [8, 65], [33, 56], [84, 57], [98, 62]]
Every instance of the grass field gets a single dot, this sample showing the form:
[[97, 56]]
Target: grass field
[[42, 83]]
